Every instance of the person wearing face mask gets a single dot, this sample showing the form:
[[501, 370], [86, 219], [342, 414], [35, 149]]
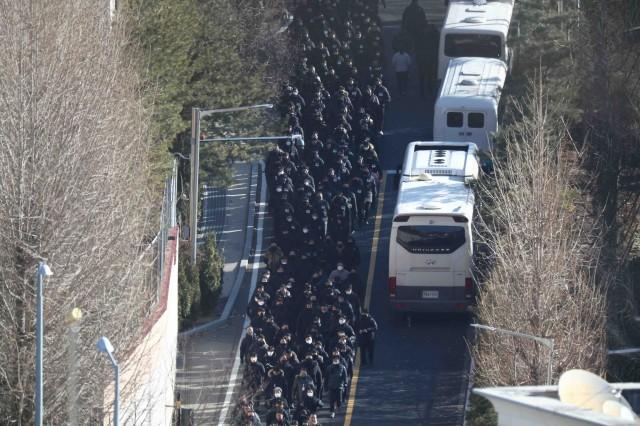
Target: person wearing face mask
[[276, 379], [336, 381], [348, 354], [311, 402], [260, 346], [314, 331], [283, 346], [278, 405], [343, 326], [254, 374], [326, 319], [260, 320], [313, 369], [317, 165], [252, 309], [248, 341], [339, 274], [303, 177], [304, 214], [307, 345], [346, 309], [353, 298], [302, 382], [262, 294], [270, 358], [305, 317]]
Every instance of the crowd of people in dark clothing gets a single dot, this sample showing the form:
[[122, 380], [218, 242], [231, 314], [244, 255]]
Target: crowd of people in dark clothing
[[306, 313]]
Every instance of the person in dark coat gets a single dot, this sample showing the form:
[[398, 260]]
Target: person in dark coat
[[336, 381], [413, 21], [248, 340], [367, 328], [254, 374], [384, 97], [353, 298], [311, 402], [427, 60]]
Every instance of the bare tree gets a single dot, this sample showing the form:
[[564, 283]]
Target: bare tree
[[544, 249], [73, 190]]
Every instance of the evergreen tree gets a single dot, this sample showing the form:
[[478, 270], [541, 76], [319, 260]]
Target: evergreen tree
[[210, 273]]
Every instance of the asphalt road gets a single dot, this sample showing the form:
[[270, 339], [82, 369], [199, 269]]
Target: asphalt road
[[420, 375]]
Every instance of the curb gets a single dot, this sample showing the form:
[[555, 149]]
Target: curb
[[244, 261]]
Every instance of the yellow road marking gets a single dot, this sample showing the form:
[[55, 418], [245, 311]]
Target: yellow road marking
[[367, 298]]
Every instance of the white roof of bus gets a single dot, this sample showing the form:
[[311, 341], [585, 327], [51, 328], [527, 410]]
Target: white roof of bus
[[478, 80], [440, 196], [443, 191], [492, 17]]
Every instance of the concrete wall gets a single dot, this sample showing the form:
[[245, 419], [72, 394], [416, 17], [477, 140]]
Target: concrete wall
[[147, 373]]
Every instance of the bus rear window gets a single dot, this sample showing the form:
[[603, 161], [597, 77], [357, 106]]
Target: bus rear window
[[474, 45], [431, 239], [476, 120], [454, 119]]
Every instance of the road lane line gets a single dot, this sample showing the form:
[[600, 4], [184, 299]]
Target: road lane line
[[367, 298]]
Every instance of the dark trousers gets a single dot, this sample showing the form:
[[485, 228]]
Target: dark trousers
[[366, 351], [403, 78], [335, 399]]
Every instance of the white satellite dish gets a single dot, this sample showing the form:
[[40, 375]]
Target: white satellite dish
[[587, 390]]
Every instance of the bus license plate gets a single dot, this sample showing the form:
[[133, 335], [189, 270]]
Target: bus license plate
[[430, 294]]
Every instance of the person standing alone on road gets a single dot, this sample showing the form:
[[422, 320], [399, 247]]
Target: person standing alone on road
[[426, 51], [401, 62], [414, 21]]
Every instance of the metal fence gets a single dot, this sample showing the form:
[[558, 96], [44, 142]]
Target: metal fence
[[152, 258]]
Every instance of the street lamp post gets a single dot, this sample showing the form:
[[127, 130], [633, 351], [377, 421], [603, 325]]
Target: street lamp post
[[42, 271], [548, 342], [104, 345], [73, 324], [623, 351], [197, 115]]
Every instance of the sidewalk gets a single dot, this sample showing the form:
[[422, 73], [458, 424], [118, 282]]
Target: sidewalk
[[206, 357]]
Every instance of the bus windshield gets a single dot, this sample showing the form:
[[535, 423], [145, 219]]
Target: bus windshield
[[431, 239], [475, 45]]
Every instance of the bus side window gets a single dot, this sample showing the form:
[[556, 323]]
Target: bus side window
[[454, 119], [475, 120]]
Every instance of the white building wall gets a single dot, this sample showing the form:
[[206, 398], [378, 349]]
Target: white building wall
[[147, 374]]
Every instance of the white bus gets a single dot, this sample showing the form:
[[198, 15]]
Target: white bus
[[475, 28], [468, 104], [431, 245]]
